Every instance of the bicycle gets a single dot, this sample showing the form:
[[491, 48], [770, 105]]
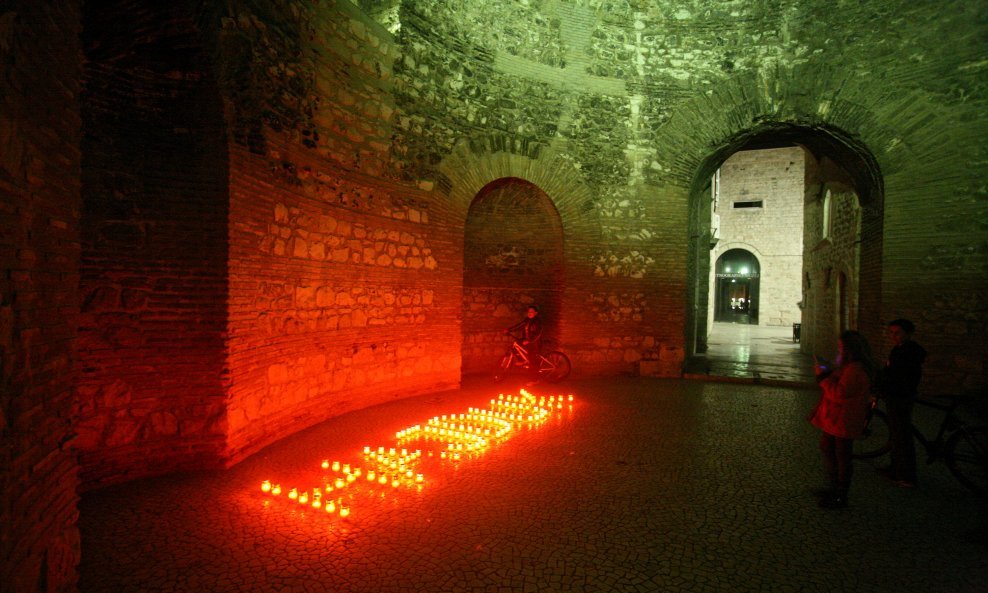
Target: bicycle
[[554, 366], [964, 448]]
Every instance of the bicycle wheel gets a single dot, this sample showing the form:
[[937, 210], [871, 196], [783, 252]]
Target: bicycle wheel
[[966, 454], [554, 366], [502, 367], [876, 440]]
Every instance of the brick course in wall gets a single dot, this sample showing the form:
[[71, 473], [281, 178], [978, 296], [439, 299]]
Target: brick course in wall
[[39, 300], [154, 250]]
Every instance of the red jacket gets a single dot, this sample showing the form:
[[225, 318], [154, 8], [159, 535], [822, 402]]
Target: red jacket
[[844, 402]]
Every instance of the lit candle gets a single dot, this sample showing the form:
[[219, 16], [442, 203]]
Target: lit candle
[[293, 494], [325, 464], [276, 489], [336, 466], [344, 511], [266, 486], [330, 507], [304, 497], [419, 478]]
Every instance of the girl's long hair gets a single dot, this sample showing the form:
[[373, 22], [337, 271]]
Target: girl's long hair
[[856, 349]]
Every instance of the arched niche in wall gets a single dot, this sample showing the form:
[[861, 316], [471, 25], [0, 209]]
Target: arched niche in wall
[[736, 290], [834, 162], [512, 257]]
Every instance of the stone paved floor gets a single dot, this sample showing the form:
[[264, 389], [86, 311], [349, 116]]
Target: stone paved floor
[[752, 353], [645, 485]]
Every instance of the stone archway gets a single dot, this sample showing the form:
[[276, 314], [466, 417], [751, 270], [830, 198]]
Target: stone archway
[[833, 162], [513, 258], [481, 168], [736, 287]]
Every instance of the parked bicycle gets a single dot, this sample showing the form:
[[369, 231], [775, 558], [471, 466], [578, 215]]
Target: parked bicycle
[[964, 448], [553, 365]]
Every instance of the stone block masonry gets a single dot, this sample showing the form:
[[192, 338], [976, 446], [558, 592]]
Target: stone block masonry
[[332, 306]]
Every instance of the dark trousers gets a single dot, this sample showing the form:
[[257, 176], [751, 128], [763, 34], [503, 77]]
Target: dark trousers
[[837, 461], [900, 413]]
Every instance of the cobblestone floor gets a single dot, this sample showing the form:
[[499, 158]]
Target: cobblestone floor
[[645, 485]]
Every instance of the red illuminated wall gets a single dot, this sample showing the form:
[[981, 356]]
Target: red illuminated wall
[[39, 255], [345, 274], [332, 308], [154, 247]]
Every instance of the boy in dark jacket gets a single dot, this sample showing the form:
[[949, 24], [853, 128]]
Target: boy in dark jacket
[[898, 383]]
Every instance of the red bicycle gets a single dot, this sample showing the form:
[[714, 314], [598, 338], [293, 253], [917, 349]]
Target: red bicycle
[[553, 365]]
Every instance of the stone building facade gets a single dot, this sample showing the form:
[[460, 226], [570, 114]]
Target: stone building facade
[[759, 209], [224, 222]]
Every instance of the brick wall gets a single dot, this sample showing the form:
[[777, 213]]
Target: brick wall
[[39, 255], [154, 247]]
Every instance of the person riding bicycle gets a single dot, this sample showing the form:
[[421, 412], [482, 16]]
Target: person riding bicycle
[[531, 338]]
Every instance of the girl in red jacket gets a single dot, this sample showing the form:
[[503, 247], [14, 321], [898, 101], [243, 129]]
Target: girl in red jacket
[[841, 412]]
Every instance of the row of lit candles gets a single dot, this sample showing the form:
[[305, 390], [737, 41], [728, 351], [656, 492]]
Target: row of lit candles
[[458, 429]]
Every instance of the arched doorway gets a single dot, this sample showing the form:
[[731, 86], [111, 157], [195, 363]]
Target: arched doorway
[[736, 291], [512, 258], [841, 191]]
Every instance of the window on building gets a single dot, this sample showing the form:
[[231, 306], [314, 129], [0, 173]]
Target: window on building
[[749, 204], [826, 215]]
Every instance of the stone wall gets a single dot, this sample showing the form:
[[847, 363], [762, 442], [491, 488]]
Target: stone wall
[[774, 230], [154, 247], [39, 300], [345, 284]]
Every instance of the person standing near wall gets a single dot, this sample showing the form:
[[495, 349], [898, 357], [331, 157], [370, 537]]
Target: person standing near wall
[[898, 384], [841, 412]]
